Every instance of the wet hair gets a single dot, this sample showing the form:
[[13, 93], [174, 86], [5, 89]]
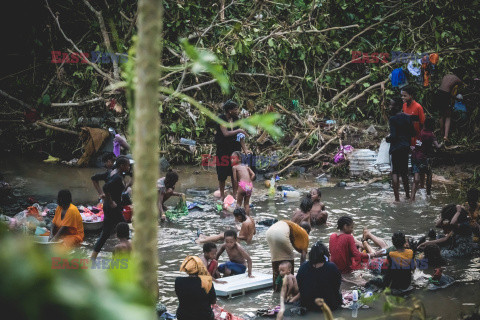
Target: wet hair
[[108, 156], [429, 124], [121, 161], [209, 246], [319, 192], [286, 263], [306, 204], [344, 221], [64, 198], [398, 240], [230, 233], [306, 226], [237, 154], [472, 198], [123, 231], [433, 255], [397, 105], [409, 90], [449, 211], [318, 253], [170, 179], [240, 212], [229, 105]]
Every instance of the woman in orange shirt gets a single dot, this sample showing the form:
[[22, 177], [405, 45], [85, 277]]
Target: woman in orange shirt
[[67, 223]]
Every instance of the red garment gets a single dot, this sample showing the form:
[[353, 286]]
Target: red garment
[[415, 110], [212, 267], [343, 250], [424, 145]]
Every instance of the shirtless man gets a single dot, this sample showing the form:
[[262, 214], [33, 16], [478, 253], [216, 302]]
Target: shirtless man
[[304, 213], [236, 254], [318, 214], [247, 230], [243, 176], [123, 235]]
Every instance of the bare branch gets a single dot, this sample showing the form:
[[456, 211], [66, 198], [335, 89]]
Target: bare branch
[[100, 71], [106, 38], [78, 104], [23, 104]]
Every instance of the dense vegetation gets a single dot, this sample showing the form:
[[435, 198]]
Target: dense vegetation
[[295, 53]]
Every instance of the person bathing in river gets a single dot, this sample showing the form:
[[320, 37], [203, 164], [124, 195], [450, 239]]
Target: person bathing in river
[[123, 235], [67, 223], [243, 176], [318, 214], [291, 287], [108, 162], [208, 259], [304, 213], [283, 238], [401, 132], [401, 264], [227, 141], [237, 256], [343, 246], [247, 229], [166, 189], [457, 241], [421, 158]]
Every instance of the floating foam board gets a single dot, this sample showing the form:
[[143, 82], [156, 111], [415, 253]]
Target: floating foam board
[[241, 283]]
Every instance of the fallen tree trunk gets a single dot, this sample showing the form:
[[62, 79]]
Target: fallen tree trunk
[[49, 126]]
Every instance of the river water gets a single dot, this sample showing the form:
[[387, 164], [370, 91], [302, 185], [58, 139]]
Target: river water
[[370, 206]]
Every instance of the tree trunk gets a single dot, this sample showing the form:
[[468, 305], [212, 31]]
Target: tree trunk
[[146, 146]]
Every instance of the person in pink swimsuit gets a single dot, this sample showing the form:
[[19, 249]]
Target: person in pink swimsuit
[[244, 176]]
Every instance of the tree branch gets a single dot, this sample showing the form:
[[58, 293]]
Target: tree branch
[[77, 104], [100, 71], [106, 38], [23, 104]]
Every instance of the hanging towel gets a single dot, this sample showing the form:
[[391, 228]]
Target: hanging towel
[[414, 68], [398, 78]]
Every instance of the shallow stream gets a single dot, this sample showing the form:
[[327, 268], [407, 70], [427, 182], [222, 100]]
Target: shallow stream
[[371, 206]]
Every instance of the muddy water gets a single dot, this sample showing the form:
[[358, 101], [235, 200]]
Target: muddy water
[[370, 206]]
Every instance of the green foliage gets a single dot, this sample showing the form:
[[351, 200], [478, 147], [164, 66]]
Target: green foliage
[[205, 61], [31, 289]]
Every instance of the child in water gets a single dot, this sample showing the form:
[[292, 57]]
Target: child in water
[[244, 176], [421, 157], [236, 254], [123, 234], [247, 230], [291, 290], [208, 259]]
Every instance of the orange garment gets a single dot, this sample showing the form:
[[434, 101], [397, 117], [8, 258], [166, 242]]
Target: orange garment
[[298, 236], [73, 220], [415, 109]]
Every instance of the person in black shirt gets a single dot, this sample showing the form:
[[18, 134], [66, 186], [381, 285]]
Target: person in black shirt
[[108, 161], [318, 278], [195, 293], [112, 207], [227, 142], [401, 132]]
